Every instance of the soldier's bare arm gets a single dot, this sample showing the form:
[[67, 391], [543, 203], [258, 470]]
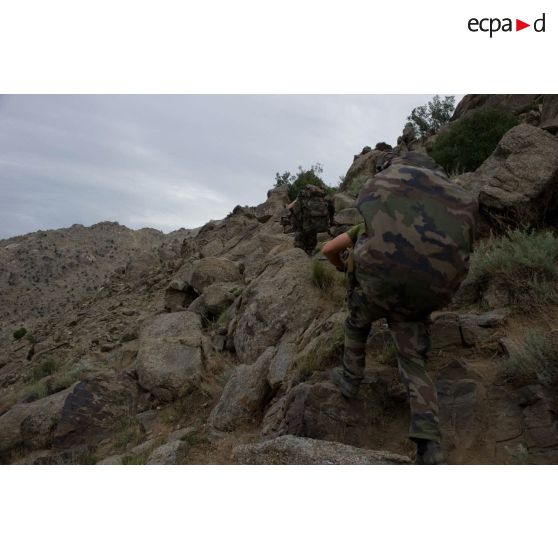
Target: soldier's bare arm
[[332, 250]]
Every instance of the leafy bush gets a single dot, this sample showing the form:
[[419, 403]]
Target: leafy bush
[[429, 118], [296, 182], [467, 143], [31, 338], [532, 359], [522, 264], [19, 333], [322, 275], [35, 391]]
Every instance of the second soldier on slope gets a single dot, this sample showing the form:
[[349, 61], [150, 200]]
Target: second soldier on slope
[[311, 213]]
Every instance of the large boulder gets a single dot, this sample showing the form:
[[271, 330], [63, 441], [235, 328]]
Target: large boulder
[[343, 201], [515, 104], [211, 270], [281, 301], [244, 396], [99, 404], [363, 168], [219, 296], [31, 424], [518, 183], [80, 415], [292, 450], [348, 217], [169, 362], [316, 409], [277, 198]]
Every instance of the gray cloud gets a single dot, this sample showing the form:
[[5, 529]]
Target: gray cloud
[[171, 161]]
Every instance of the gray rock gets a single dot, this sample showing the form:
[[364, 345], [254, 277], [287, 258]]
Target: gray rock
[[31, 424], [445, 332], [517, 182], [244, 395], [171, 453], [363, 168], [181, 434], [219, 296], [343, 201], [280, 302], [292, 450], [280, 364], [348, 217], [514, 104], [169, 362], [95, 407], [211, 270], [112, 460]]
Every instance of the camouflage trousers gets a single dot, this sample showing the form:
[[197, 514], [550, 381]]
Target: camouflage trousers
[[306, 240], [412, 343]]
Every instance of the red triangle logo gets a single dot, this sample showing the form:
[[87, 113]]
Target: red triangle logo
[[519, 25]]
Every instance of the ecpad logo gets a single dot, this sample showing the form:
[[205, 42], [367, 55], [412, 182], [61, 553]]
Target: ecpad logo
[[494, 24]]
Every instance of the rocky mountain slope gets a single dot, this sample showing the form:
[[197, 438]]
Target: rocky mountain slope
[[213, 346]]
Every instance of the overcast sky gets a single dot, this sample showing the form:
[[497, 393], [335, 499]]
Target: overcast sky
[[171, 161]]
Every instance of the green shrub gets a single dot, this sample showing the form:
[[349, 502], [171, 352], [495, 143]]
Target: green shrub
[[429, 118], [47, 368], [522, 264], [225, 317], [31, 338], [296, 182], [532, 359], [322, 275], [19, 333], [469, 141]]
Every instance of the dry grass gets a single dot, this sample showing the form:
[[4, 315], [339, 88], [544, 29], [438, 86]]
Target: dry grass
[[522, 264], [532, 359], [322, 275]]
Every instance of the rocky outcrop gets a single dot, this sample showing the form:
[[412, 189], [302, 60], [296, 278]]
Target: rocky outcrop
[[210, 270], [169, 362], [31, 425], [363, 168], [518, 183], [280, 303], [277, 199], [244, 396], [82, 414], [292, 450], [515, 104]]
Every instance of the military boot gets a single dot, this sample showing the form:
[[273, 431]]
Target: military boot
[[429, 453], [347, 386]]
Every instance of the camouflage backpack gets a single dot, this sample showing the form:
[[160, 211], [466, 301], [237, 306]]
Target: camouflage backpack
[[311, 212], [419, 227]]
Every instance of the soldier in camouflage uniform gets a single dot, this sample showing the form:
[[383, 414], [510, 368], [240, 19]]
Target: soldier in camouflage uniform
[[410, 256], [311, 213]]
